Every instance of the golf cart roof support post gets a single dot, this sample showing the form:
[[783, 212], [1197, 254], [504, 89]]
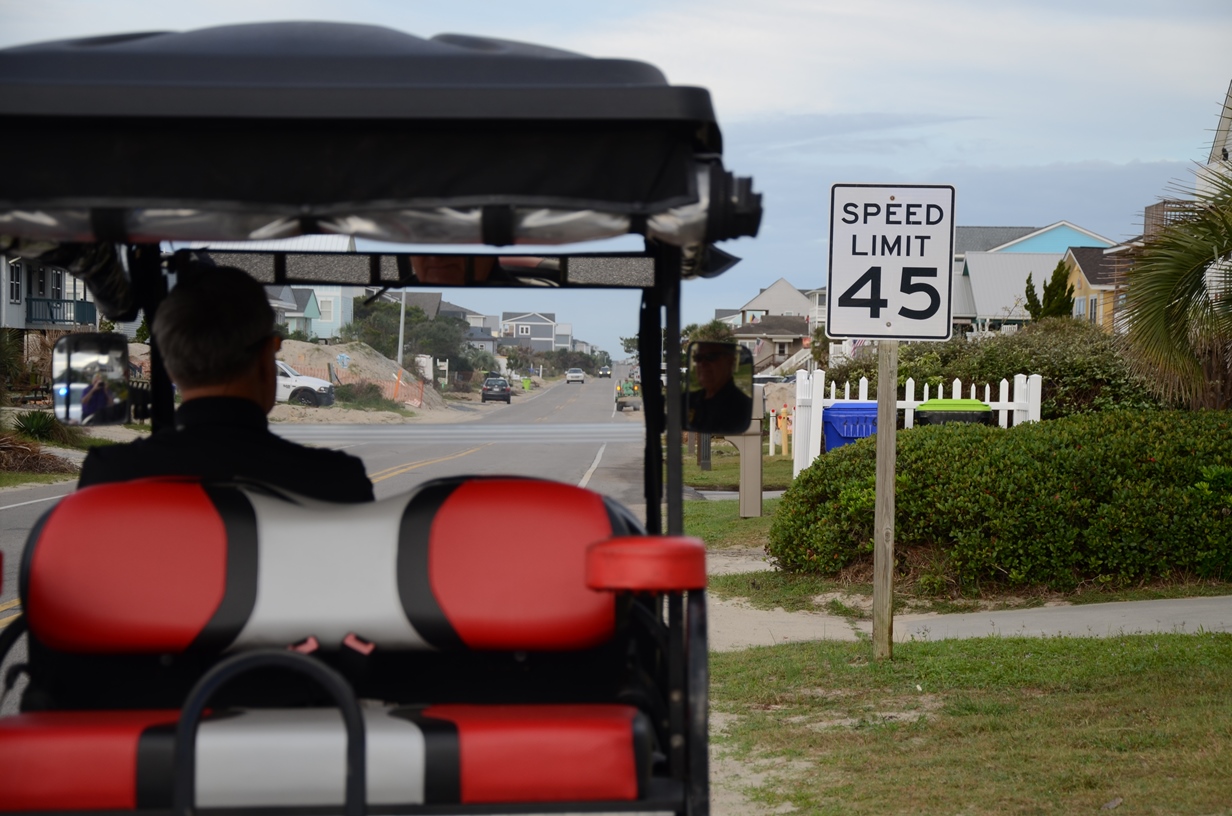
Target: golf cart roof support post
[[649, 343], [698, 694], [150, 287], [675, 420]]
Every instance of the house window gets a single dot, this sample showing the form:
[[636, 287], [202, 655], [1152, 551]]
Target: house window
[[524, 331], [41, 286], [780, 349], [57, 284], [326, 305], [1080, 307], [15, 283], [1093, 311]]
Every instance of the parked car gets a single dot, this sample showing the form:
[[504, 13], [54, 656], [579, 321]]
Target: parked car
[[576, 375], [302, 390], [605, 371], [496, 388]]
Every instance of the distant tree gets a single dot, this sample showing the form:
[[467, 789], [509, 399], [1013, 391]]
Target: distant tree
[[377, 325], [821, 347], [716, 331], [142, 334], [442, 337], [1033, 302], [629, 344], [1058, 300], [519, 357], [480, 360]]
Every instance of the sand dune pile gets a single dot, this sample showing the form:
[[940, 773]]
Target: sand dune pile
[[356, 362]]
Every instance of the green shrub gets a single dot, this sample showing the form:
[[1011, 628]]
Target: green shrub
[[362, 391], [41, 426], [1084, 369], [1114, 498]]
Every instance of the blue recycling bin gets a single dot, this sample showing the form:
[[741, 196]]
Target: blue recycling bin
[[846, 422]]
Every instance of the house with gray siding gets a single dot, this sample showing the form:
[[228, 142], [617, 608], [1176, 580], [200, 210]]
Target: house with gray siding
[[534, 330]]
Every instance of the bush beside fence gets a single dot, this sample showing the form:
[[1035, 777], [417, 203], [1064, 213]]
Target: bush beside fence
[[1111, 498]]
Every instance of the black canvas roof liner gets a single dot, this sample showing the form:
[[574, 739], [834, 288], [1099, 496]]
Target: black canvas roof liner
[[337, 70], [279, 129]]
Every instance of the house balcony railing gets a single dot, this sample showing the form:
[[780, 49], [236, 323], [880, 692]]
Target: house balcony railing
[[60, 312]]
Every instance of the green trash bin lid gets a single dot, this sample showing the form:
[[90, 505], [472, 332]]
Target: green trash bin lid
[[954, 405]]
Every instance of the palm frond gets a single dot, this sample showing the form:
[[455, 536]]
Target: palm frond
[[1179, 299]]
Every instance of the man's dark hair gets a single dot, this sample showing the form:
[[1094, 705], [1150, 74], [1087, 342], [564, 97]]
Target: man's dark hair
[[211, 325]]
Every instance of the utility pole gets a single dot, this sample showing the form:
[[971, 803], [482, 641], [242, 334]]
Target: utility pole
[[401, 327]]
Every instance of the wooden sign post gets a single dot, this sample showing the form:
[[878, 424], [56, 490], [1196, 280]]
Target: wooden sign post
[[883, 524]]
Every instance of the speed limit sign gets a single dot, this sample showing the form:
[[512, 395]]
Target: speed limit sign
[[891, 252]]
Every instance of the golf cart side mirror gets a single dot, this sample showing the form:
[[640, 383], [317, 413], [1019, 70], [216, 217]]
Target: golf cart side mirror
[[718, 396], [89, 379]]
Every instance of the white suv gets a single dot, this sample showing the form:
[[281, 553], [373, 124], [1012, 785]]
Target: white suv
[[576, 375], [301, 390]]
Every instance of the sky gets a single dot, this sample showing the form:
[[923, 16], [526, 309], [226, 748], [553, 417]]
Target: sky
[[1037, 111]]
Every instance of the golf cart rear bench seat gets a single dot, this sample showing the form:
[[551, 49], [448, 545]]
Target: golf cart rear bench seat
[[123, 760], [214, 572]]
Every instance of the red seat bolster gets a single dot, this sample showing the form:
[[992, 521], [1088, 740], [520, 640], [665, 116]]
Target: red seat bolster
[[520, 586], [544, 753], [98, 585], [647, 564], [73, 760]]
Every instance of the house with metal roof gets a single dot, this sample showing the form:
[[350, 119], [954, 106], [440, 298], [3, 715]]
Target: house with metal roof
[[1056, 238], [998, 285]]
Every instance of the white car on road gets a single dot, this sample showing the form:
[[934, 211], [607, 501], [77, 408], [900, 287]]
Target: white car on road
[[575, 375]]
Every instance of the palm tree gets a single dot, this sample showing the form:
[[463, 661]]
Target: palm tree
[[1179, 300]]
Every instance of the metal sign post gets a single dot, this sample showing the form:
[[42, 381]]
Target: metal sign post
[[891, 252]]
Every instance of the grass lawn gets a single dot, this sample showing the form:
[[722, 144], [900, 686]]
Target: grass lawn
[[985, 726], [718, 523], [724, 473], [11, 478]]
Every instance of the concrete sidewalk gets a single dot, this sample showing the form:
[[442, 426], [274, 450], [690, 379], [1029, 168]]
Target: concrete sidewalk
[[735, 625]]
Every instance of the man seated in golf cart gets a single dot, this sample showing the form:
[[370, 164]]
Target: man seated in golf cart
[[216, 334]]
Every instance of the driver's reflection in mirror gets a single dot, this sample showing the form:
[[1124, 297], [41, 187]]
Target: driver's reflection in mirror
[[452, 270], [718, 405], [97, 399]]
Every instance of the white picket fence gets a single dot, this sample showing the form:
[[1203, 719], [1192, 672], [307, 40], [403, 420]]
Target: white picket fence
[[1023, 406]]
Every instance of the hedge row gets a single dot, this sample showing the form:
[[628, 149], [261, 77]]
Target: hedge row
[[1084, 368], [1117, 497]]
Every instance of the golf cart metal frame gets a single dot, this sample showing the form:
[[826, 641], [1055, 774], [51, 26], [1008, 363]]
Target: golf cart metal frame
[[309, 128]]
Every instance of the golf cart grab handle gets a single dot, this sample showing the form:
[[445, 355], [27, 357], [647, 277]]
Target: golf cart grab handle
[[647, 564]]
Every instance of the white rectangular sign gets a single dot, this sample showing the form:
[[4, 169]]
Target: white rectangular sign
[[891, 255]]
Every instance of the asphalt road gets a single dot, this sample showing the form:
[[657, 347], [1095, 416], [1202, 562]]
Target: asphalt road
[[570, 433]]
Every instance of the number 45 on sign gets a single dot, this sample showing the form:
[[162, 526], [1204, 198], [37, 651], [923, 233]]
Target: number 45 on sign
[[891, 253]]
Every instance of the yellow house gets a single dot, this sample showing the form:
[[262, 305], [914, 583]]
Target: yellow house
[[1092, 273]]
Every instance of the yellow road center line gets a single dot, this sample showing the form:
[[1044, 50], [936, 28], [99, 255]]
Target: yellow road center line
[[6, 621], [400, 469], [7, 605]]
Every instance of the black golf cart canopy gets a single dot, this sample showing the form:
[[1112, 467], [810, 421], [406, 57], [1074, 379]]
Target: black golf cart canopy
[[281, 129]]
